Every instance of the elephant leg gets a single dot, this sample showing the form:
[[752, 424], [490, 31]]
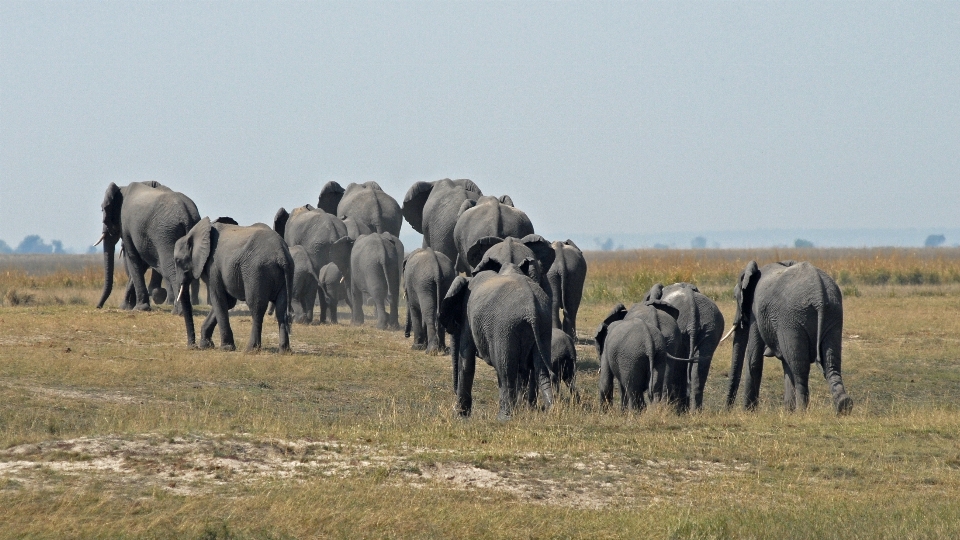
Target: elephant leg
[[323, 300], [283, 320], [466, 358], [129, 292], [158, 293], [555, 306], [394, 321], [195, 292], [789, 388], [416, 326], [606, 383], [428, 318], [220, 304], [700, 371], [257, 313], [796, 345], [356, 303], [383, 319], [507, 363], [754, 359], [206, 330], [138, 271]]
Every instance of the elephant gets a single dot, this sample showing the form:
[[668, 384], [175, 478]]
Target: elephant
[[427, 275], [563, 362], [323, 236], [566, 277], [491, 253], [149, 218], [659, 316], [376, 261], [432, 209], [632, 352], [305, 285], [332, 291], [252, 264], [793, 311], [701, 326], [484, 217], [367, 204], [504, 317]]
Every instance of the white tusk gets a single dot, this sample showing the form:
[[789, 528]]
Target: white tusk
[[342, 279], [180, 295], [102, 236], [724, 338]]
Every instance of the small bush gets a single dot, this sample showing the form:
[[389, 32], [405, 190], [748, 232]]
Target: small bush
[[17, 298]]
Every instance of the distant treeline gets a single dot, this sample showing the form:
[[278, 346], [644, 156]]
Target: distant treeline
[[33, 244]]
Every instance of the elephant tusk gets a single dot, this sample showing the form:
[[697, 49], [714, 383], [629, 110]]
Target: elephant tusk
[[102, 236], [180, 294], [724, 338], [342, 279]]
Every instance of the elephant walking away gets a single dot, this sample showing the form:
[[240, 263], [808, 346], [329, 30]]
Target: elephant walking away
[[566, 277], [504, 317], [375, 262], [484, 217], [793, 311], [251, 264], [432, 209], [149, 218], [492, 253], [332, 291], [322, 235], [367, 204], [427, 275], [305, 286], [563, 363]]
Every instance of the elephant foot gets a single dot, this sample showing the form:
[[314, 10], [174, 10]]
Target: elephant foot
[[126, 306], [418, 347], [844, 405], [142, 307], [228, 347], [158, 296], [205, 344]]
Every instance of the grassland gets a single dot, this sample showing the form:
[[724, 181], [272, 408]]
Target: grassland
[[110, 427]]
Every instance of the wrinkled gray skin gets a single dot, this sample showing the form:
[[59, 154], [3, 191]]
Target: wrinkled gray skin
[[658, 316], [793, 311], [333, 289], [505, 319], [631, 351], [371, 208], [322, 235], [432, 209], [376, 261], [149, 218], [487, 216], [492, 253], [566, 277], [563, 362], [251, 264], [304, 285], [701, 327], [427, 275]]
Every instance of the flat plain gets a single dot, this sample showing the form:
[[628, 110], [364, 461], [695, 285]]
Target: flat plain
[[111, 427]]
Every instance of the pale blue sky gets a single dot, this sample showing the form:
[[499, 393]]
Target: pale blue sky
[[596, 117]]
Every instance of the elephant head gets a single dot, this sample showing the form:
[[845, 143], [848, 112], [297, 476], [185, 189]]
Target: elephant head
[[681, 298], [191, 255], [330, 196], [112, 229]]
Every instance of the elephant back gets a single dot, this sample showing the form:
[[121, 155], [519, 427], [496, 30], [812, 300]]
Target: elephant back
[[488, 217], [371, 207]]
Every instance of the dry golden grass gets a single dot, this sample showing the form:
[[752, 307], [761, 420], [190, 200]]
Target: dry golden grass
[[110, 427]]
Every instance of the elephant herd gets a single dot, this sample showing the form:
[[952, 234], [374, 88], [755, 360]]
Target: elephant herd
[[483, 276]]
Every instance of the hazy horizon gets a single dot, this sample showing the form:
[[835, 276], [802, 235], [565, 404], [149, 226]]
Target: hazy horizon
[[598, 118]]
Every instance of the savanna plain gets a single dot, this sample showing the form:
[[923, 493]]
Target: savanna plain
[[111, 427]]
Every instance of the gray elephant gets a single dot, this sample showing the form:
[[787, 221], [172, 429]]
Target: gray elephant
[[485, 217], [427, 275], [305, 285], [333, 290], [375, 262], [251, 264], [505, 319], [566, 277], [432, 209], [491, 253], [323, 236], [631, 352], [563, 363], [793, 311], [701, 327], [658, 316], [366, 204], [149, 218]]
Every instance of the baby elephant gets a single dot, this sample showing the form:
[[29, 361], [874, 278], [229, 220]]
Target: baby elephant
[[563, 363], [304, 285], [427, 275], [333, 289]]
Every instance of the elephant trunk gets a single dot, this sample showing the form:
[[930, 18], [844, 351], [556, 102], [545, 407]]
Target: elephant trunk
[[108, 262], [736, 364], [186, 306]]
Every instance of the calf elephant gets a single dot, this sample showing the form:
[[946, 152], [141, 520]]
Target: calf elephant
[[485, 217], [566, 277], [149, 218], [701, 326], [793, 311], [305, 285], [505, 319], [563, 362], [366, 204], [376, 261], [427, 275], [432, 208], [251, 264], [333, 290]]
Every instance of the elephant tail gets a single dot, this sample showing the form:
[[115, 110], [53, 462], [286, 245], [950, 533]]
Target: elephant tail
[[288, 284]]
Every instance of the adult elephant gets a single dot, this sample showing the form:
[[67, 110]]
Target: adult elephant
[[251, 264], [487, 217], [427, 275], [367, 204], [504, 317], [566, 277], [701, 327], [376, 260], [793, 311], [149, 218], [432, 209], [322, 235]]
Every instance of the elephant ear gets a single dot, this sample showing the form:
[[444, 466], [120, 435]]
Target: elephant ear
[[541, 249], [227, 220], [468, 185], [479, 249], [655, 293], [505, 199], [330, 197], [618, 312], [466, 205], [743, 291], [453, 307], [355, 229], [530, 268], [340, 253], [413, 203], [669, 309], [200, 241], [280, 221], [112, 203]]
